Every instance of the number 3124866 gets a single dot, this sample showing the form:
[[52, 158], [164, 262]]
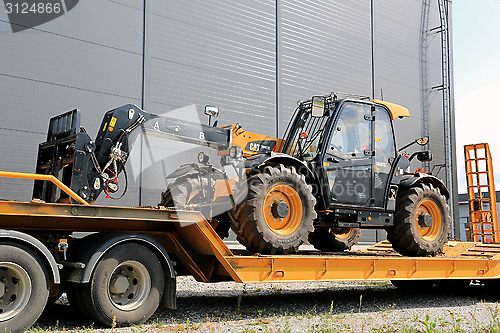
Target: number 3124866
[[35, 8]]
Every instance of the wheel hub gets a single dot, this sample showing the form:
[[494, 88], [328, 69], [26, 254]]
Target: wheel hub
[[15, 290], [119, 285], [425, 220], [129, 285], [280, 209]]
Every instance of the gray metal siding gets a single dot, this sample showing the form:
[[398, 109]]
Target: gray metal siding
[[326, 47], [397, 63], [90, 59], [219, 53]]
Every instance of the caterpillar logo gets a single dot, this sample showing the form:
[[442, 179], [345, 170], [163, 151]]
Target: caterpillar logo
[[261, 146], [26, 14]]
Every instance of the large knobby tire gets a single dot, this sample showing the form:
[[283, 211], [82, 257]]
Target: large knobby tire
[[24, 288], [422, 222], [125, 288], [278, 213], [334, 239], [184, 191], [188, 191]]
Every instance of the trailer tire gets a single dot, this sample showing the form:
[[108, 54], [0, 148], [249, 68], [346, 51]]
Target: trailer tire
[[277, 215], [25, 288], [126, 286], [185, 191], [421, 223], [334, 239]]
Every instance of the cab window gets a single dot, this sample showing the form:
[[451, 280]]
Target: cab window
[[351, 133], [385, 150]]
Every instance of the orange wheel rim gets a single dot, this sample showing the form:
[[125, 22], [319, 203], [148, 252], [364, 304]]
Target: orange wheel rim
[[291, 209], [342, 233], [434, 230]]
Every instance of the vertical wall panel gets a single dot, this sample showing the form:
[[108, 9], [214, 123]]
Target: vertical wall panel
[[397, 69], [89, 58], [326, 47], [220, 53]]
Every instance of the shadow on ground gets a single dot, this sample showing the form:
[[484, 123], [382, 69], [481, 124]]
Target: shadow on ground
[[253, 304]]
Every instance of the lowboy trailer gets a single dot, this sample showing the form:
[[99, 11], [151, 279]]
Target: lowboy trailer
[[126, 267]]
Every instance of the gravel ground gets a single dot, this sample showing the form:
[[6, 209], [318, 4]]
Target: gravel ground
[[303, 307]]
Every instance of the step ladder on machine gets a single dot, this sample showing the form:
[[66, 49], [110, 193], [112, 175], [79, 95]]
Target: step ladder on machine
[[483, 218]]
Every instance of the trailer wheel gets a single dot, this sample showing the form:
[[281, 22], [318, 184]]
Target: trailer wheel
[[334, 239], [421, 223], [188, 191], [277, 215], [24, 287], [126, 286]]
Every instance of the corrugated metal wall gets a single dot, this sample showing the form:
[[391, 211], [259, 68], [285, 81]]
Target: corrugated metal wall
[[89, 58], [222, 53]]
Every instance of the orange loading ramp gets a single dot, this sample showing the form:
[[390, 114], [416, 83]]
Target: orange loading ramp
[[483, 218]]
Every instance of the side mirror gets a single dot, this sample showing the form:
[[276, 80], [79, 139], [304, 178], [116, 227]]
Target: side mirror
[[211, 111], [422, 156], [318, 106], [422, 141]]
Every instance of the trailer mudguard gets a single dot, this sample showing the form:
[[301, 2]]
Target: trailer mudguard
[[35, 244], [93, 247], [408, 180]]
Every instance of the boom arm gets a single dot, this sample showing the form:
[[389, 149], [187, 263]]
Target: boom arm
[[89, 167]]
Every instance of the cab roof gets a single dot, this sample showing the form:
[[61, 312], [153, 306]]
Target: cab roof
[[397, 111]]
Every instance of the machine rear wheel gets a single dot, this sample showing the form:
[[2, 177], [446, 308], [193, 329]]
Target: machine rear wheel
[[334, 239], [277, 215], [190, 191], [422, 222]]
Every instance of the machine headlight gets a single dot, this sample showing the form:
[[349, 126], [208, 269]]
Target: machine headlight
[[235, 152], [202, 158]]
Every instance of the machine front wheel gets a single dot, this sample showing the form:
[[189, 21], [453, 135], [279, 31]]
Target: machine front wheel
[[422, 222], [277, 215]]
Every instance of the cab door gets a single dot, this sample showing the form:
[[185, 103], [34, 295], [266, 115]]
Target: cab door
[[347, 162], [385, 155]]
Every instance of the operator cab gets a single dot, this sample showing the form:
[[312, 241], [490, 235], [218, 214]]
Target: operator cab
[[350, 147]]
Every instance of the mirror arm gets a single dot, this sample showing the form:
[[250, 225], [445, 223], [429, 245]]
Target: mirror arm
[[413, 155], [406, 146], [300, 149]]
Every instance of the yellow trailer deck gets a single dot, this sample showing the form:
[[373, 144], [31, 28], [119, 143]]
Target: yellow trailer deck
[[127, 264], [188, 236]]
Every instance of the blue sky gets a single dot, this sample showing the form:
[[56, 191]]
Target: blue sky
[[476, 56]]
